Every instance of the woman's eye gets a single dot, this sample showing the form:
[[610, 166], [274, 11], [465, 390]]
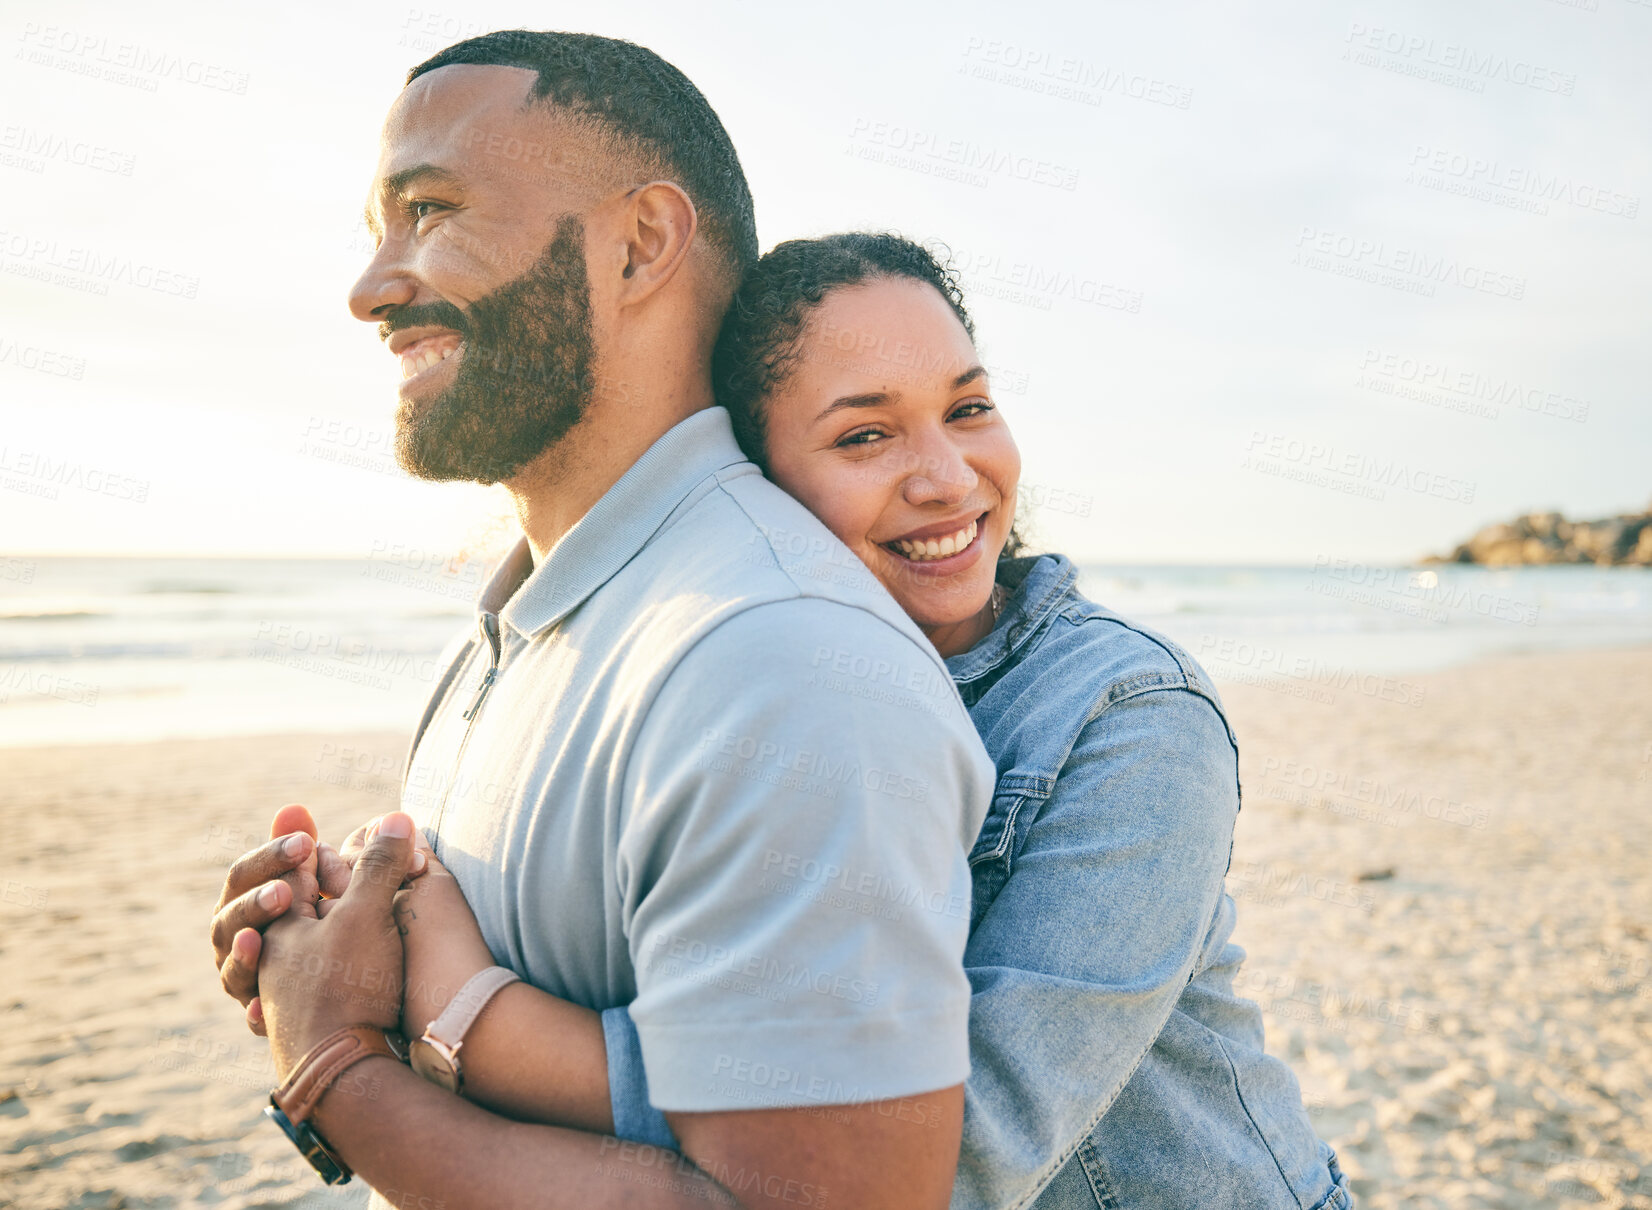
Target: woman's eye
[[861, 437], [972, 407]]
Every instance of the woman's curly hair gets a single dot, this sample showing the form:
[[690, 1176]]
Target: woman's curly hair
[[762, 334]]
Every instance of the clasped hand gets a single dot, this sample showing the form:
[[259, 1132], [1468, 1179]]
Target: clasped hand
[[309, 938]]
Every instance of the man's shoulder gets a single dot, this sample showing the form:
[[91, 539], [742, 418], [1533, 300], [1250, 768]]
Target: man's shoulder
[[754, 560]]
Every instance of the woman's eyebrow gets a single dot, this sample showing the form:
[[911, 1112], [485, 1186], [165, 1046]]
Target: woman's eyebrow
[[871, 400]]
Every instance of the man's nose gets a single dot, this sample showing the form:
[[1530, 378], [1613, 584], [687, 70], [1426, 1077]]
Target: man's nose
[[383, 285]]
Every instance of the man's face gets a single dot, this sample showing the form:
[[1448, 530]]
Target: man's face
[[479, 284]]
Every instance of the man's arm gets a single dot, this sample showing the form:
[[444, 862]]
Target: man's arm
[[770, 1158], [409, 1138], [420, 1145]]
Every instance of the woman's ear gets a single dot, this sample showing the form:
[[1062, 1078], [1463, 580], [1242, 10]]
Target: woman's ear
[[659, 225]]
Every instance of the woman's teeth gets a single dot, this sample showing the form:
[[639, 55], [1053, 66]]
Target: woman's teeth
[[421, 357], [936, 548]]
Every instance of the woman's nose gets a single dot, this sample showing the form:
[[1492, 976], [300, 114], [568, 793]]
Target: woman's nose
[[938, 472]]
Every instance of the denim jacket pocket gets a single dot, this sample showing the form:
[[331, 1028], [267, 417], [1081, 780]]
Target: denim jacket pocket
[[1002, 834]]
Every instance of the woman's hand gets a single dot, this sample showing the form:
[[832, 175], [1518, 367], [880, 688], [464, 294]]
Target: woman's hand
[[442, 944]]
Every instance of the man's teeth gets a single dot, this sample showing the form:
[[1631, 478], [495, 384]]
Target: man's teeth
[[936, 548], [420, 360]]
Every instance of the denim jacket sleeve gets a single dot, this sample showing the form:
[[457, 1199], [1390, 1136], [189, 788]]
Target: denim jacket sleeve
[[1079, 959], [635, 1118]]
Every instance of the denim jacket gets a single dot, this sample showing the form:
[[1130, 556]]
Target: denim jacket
[[1112, 1063]]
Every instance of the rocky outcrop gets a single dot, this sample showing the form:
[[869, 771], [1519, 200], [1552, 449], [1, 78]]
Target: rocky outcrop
[[1549, 538]]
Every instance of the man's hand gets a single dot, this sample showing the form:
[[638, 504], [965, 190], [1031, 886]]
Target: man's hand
[[319, 975], [293, 868]]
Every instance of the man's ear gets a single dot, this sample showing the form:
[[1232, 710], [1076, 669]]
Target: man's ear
[[659, 224]]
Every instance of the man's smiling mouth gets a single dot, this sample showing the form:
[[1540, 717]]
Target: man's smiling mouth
[[432, 350]]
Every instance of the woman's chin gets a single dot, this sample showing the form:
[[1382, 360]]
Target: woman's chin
[[938, 610]]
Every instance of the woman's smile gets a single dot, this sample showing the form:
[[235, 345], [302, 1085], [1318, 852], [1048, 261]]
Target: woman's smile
[[913, 470], [923, 546]]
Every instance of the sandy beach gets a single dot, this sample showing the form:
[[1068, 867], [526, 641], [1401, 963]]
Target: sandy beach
[[1444, 887]]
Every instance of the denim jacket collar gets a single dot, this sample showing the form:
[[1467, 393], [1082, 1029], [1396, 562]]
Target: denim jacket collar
[[1037, 585]]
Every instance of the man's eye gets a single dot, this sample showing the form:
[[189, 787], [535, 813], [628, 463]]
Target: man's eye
[[417, 212]]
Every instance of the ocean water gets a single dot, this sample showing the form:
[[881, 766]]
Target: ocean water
[[99, 650]]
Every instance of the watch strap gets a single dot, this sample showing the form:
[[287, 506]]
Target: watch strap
[[305, 1085], [454, 1021]]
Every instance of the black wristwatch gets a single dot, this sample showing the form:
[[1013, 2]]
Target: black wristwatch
[[310, 1146]]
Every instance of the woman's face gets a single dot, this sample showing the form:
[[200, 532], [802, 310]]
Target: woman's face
[[885, 428]]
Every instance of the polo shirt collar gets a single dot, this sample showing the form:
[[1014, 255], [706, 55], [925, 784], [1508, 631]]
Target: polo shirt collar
[[617, 526]]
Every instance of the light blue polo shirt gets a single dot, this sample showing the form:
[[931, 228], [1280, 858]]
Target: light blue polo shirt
[[717, 775]]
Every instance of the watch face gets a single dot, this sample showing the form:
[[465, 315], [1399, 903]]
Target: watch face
[[309, 1144], [432, 1064]]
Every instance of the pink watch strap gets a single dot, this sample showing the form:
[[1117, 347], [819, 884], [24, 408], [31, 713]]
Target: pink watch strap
[[450, 1027]]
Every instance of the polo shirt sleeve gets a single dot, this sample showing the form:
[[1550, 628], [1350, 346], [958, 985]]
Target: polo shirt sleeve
[[799, 804]]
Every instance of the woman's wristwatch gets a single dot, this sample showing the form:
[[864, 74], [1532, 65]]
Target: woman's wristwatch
[[435, 1056], [293, 1103]]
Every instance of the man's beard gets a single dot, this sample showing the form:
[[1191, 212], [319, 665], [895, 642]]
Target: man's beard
[[524, 376]]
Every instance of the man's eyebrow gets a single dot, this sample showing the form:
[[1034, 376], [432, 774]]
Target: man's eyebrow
[[397, 185], [869, 400]]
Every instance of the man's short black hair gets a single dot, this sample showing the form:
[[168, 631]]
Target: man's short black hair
[[632, 93]]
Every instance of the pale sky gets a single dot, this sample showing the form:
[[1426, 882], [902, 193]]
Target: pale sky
[[1347, 279]]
